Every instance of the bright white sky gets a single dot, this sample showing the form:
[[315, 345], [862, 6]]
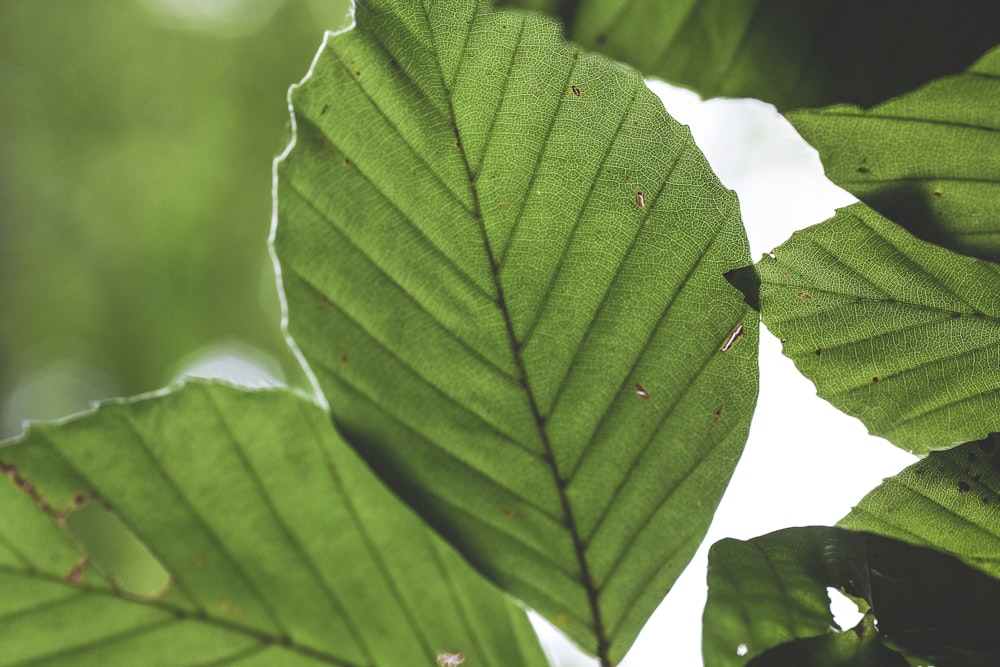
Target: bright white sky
[[805, 463]]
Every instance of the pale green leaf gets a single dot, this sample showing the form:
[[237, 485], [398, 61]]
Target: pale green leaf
[[281, 546], [949, 501], [787, 52], [899, 332], [770, 591], [929, 160], [504, 263]]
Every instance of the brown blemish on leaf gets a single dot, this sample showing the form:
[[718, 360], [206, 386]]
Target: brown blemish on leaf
[[508, 512], [10, 471], [715, 420], [198, 561], [963, 487], [937, 193], [75, 576], [600, 39], [327, 302], [561, 619], [576, 90], [326, 107], [640, 199], [819, 351], [863, 169], [875, 380], [641, 392], [343, 358], [804, 295]]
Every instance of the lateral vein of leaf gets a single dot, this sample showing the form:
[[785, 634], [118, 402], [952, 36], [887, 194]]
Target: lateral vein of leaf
[[503, 96], [873, 115], [687, 478], [48, 605], [904, 371], [424, 380], [627, 377], [182, 614], [159, 469], [979, 315], [492, 365], [400, 136], [547, 294], [668, 45], [724, 72], [564, 381], [75, 649], [929, 497], [921, 414], [653, 437], [236, 657], [462, 612], [484, 478], [920, 179], [291, 538], [501, 261], [440, 254], [18, 554], [375, 555]]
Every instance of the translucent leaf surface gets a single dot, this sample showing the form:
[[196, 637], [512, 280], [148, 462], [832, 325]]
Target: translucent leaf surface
[[786, 52], [929, 160], [949, 501], [281, 546], [504, 262], [898, 332], [771, 591]]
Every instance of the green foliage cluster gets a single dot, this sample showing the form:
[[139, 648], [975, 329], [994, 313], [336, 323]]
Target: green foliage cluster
[[511, 276]]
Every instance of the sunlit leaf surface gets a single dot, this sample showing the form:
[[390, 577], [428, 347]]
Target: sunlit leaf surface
[[898, 332], [504, 262], [929, 160], [281, 546], [949, 501]]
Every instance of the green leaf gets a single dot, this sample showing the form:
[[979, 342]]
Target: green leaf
[[896, 331], [504, 262], [789, 53], [281, 546], [771, 590], [949, 501], [929, 160], [861, 647]]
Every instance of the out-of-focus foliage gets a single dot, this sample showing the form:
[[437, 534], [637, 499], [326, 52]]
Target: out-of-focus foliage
[[135, 183]]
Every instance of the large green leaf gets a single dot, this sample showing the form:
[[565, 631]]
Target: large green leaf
[[949, 501], [930, 160], [281, 546], [504, 263], [901, 333], [786, 52], [770, 591]]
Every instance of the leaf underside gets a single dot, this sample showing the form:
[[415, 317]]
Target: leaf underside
[[281, 546], [928, 160], [504, 263], [789, 53], [949, 501], [770, 591], [901, 333]]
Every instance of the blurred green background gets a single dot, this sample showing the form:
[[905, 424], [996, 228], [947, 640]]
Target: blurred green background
[[136, 140]]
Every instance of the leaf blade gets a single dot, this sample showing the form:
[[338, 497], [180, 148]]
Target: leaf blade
[[563, 251], [901, 335], [281, 546]]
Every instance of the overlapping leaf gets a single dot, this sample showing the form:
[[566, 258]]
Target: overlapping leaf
[[770, 591], [786, 52], [929, 160], [949, 501], [281, 546], [901, 333], [504, 263]]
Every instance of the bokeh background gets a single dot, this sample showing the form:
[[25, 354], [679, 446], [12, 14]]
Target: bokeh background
[[136, 140]]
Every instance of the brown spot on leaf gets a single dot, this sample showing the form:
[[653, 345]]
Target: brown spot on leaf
[[640, 199], [343, 359], [863, 169], [198, 561], [819, 351], [641, 392], [875, 380], [508, 512], [75, 576], [963, 487], [804, 295], [937, 193], [576, 90], [600, 39]]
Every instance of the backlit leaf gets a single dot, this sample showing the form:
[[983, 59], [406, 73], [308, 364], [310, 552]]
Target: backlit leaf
[[504, 262], [281, 546]]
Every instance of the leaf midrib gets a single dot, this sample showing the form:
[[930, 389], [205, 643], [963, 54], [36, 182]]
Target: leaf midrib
[[603, 643]]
